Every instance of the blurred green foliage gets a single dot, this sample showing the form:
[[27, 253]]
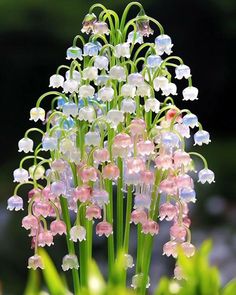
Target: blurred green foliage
[[201, 278]]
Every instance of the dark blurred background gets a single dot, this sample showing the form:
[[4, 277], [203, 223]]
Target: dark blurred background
[[34, 36]]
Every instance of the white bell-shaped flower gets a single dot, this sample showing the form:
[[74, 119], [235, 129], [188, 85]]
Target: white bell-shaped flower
[[49, 143], [15, 203], [190, 93], [25, 145], [122, 50], [171, 88], [152, 104], [77, 232], [101, 80], [201, 137], [135, 37], [66, 145], [70, 109], [135, 79], [101, 62], [143, 89], [92, 138], [128, 90], [90, 73], [20, 175], [74, 52], [36, 172], [87, 113], [182, 71], [128, 105], [75, 75], [160, 82], [117, 73], [115, 117], [71, 86], [106, 93], [37, 114], [56, 81], [190, 120], [163, 44], [206, 175], [70, 261], [86, 91], [154, 61], [74, 155], [100, 28]]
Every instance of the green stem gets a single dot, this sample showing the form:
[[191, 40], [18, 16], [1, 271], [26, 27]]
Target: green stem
[[70, 244], [124, 15], [139, 249], [119, 237], [127, 221], [109, 216]]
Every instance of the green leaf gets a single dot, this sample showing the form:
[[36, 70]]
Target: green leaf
[[33, 283], [96, 283], [230, 288], [163, 287], [51, 276]]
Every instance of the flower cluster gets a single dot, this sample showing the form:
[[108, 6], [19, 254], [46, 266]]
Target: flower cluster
[[113, 123]]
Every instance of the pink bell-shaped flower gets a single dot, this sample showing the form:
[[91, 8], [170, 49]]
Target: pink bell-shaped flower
[[138, 216], [135, 164], [101, 155], [42, 207], [164, 161], [147, 177], [184, 181], [170, 249], [181, 158], [168, 186], [178, 232], [58, 227], [45, 238], [93, 211], [150, 227], [121, 145], [34, 193], [88, 174], [35, 262], [137, 127], [178, 273], [167, 211], [82, 193], [145, 148], [30, 222], [111, 171], [188, 248], [104, 228]]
